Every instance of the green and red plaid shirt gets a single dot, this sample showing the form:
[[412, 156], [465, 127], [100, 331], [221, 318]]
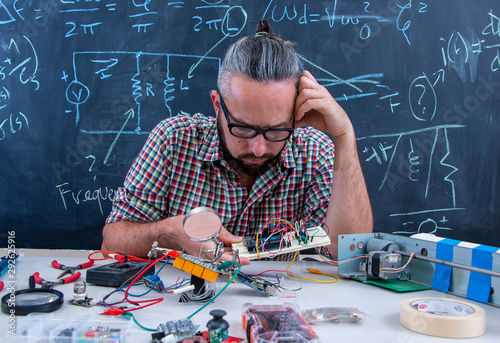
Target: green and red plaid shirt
[[181, 167]]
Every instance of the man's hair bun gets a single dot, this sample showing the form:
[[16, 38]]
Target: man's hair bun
[[263, 26]]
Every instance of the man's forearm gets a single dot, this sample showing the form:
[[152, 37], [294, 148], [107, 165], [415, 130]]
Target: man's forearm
[[135, 239], [349, 210]]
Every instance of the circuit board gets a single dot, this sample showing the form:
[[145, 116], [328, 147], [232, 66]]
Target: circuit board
[[261, 285], [272, 246]]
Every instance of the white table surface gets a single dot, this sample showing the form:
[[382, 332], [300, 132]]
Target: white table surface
[[380, 305]]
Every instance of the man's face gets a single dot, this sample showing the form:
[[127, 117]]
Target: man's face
[[259, 105]]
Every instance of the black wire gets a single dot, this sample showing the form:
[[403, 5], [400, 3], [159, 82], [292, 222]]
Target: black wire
[[126, 282], [327, 231]]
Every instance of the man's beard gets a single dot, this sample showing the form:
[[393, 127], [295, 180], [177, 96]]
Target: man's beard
[[237, 163]]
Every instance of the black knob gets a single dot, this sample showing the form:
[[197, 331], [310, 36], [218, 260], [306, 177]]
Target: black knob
[[217, 322]]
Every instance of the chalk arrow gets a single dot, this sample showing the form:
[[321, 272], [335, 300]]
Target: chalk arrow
[[130, 114]]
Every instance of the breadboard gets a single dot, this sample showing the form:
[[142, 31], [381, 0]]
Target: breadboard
[[318, 238]]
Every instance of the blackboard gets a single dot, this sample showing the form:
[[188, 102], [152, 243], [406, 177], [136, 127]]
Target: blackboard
[[83, 82]]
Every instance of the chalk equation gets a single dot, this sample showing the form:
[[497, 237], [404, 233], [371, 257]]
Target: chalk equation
[[150, 87], [13, 124], [492, 32], [353, 88], [367, 22], [416, 164], [18, 68]]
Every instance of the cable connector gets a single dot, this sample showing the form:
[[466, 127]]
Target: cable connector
[[173, 253], [113, 312], [152, 252], [119, 257]]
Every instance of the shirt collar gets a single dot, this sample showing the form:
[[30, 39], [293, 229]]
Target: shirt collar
[[208, 150]]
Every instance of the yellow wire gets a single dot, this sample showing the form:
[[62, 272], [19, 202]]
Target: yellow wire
[[338, 262], [257, 245], [314, 271]]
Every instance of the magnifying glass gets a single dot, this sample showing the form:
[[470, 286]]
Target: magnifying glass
[[30, 300], [203, 224]]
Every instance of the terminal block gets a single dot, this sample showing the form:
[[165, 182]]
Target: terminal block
[[193, 266]]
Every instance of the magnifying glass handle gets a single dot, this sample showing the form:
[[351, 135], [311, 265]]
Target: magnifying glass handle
[[218, 248]]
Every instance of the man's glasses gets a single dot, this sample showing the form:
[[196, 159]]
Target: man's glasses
[[242, 131]]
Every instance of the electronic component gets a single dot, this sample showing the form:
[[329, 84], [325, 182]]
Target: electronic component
[[80, 297], [266, 243], [154, 282], [116, 274], [79, 289], [276, 323], [196, 267], [217, 326], [420, 267], [259, 284], [274, 245], [381, 261], [333, 315], [85, 302], [103, 333], [174, 331]]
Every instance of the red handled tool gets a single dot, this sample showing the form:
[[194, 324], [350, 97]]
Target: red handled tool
[[71, 270], [50, 284]]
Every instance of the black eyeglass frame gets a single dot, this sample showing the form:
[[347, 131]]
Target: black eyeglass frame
[[255, 130]]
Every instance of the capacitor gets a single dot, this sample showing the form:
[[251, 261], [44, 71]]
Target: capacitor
[[79, 290]]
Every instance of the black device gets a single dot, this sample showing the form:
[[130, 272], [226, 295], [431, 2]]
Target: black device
[[116, 274]]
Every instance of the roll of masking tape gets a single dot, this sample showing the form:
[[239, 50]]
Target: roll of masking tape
[[443, 317]]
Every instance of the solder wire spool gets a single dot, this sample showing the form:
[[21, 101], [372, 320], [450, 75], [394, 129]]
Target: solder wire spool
[[442, 317]]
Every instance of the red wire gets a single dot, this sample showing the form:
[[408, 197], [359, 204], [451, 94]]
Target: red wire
[[152, 301], [115, 311], [175, 285], [129, 257]]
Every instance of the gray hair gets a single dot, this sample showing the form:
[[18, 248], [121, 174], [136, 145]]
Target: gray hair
[[263, 57]]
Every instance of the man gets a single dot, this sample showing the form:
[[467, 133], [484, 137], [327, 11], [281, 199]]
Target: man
[[259, 157]]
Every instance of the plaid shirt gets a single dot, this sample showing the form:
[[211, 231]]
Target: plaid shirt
[[181, 167]]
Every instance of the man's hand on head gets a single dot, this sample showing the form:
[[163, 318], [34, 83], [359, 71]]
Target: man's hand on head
[[316, 107]]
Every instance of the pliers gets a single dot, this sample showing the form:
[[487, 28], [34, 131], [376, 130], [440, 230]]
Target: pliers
[[71, 270], [50, 284]]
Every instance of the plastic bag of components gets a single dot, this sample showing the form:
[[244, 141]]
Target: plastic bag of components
[[333, 314]]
